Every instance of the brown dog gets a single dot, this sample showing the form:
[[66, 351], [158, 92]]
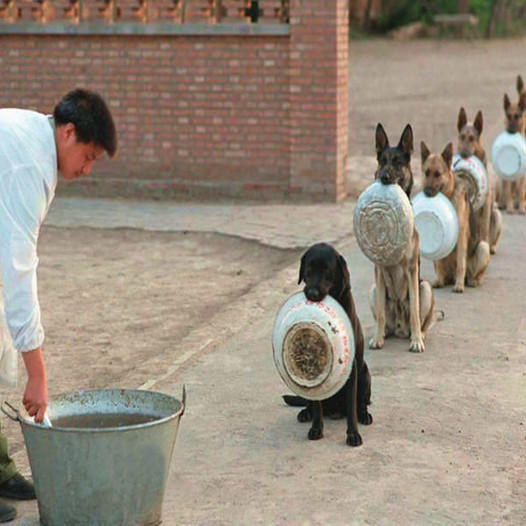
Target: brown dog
[[511, 193], [402, 304], [470, 258], [489, 221]]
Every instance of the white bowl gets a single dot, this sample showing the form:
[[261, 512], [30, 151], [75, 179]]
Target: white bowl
[[472, 169], [383, 223], [313, 346], [508, 155], [437, 224]]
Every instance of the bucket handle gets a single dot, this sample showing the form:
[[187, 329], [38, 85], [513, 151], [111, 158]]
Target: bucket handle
[[8, 414], [184, 399]]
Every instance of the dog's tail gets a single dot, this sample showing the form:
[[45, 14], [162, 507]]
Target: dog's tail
[[295, 401]]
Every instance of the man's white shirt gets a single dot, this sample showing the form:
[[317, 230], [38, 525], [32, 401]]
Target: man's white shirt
[[28, 178]]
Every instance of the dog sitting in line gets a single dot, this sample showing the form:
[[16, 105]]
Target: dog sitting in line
[[511, 194], [402, 304], [325, 272], [469, 143], [470, 258]]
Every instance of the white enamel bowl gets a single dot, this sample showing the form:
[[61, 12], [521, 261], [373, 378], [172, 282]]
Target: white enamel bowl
[[437, 225], [383, 223], [472, 169], [508, 156], [313, 346]]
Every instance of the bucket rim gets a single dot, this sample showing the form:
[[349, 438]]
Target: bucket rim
[[133, 427]]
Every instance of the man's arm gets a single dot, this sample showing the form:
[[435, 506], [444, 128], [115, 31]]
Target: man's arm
[[35, 395], [22, 207]]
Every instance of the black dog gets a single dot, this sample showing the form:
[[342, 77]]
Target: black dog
[[325, 272]]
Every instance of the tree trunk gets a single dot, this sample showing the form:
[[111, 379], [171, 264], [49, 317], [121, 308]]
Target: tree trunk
[[463, 6], [367, 15], [492, 22]]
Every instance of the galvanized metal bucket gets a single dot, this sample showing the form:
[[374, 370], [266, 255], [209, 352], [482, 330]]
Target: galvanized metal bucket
[[102, 475]]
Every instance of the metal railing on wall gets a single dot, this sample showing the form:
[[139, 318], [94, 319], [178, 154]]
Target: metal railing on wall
[[144, 11]]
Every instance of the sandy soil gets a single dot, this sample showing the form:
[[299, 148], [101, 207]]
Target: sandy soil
[[425, 83], [116, 305]]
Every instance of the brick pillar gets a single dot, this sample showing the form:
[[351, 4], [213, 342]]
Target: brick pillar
[[319, 49]]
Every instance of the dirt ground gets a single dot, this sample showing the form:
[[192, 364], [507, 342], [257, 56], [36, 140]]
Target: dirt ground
[[115, 302], [116, 305], [425, 83]]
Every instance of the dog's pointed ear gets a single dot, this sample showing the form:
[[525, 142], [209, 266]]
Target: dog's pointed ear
[[522, 101], [520, 84], [406, 139], [447, 154], [462, 119], [302, 270], [382, 141], [478, 122], [346, 277], [507, 102], [424, 151]]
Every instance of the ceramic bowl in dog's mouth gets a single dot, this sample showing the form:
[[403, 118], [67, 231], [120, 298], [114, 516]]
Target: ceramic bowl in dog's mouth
[[383, 223], [508, 155], [437, 225], [473, 171], [313, 346]]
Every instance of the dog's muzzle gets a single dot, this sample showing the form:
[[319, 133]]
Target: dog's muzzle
[[313, 293], [385, 178], [430, 192]]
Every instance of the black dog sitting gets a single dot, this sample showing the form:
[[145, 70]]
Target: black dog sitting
[[324, 271]]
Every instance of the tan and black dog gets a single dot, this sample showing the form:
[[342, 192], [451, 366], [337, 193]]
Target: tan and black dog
[[513, 193], [470, 258], [470, 143], [402, 304]]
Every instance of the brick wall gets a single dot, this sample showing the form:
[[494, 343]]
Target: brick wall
[[206, 113]]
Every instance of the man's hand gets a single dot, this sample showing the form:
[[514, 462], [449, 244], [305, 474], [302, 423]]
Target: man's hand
[[35, 395]]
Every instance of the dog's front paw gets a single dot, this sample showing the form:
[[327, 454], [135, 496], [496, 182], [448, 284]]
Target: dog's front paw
[[493, 250], [437, 284], [354, 439], [522, 210], [376, 343], [315, 433], [304, 416], [417, 345], [365, 418], [458, 288]]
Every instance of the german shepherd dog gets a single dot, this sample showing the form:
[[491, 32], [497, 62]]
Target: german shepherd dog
[[402, 304], [489, 220], [324, 271], [510, 193], [470, 258]]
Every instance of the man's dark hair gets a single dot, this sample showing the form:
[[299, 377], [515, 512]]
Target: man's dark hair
[[91, 117]]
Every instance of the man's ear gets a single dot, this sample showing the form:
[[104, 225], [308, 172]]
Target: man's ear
[[68, 131], [302, 270]]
